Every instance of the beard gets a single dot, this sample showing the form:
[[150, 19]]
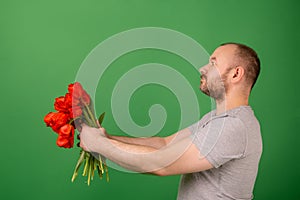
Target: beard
[[215, 87]]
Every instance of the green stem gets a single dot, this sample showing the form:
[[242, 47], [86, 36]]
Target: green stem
[[99, 171], [90, 169], [92, 117], [86, 165], [73, 119], [100, 164], [79, 162], [106, 171], [87, 118]]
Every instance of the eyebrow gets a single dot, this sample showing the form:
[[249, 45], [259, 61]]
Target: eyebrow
[[213, 58]]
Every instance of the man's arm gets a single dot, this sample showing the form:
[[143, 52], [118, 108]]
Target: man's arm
[[154, 142], [179, 156]]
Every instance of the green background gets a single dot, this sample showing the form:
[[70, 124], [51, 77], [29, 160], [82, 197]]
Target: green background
[[43, 43]]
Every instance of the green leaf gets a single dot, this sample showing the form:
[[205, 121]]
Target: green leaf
[[100, 119]]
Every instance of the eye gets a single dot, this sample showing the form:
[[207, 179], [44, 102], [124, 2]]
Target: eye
[[212, 63]]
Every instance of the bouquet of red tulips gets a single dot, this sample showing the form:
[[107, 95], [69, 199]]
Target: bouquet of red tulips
[[71, 110]]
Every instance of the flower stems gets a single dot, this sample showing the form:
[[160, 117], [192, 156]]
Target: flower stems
[[92, 117], [79, 162], [90, 162]]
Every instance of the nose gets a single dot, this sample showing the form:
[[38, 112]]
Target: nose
[[203, 69]]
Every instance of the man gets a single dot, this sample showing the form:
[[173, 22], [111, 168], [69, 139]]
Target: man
[[219, 155]]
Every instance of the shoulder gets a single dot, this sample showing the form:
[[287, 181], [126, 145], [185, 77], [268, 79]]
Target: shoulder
[[206, 118]]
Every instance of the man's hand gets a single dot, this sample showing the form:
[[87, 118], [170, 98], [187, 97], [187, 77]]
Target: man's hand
[[89, 135], [103, 129]]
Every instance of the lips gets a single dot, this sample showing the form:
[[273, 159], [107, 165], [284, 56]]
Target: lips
[[202, 81], [203, 78]]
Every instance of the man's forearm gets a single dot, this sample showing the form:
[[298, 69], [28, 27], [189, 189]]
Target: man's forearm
[[138, 158], [153, 142]]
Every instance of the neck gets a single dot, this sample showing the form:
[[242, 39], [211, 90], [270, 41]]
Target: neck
[[230, 102]]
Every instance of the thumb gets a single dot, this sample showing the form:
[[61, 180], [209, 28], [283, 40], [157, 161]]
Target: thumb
[[99, 125]]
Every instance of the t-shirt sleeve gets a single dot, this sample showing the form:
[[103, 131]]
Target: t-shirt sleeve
[[220, 140], [193, 127]]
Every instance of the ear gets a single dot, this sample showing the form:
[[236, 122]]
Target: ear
[[237, 74]]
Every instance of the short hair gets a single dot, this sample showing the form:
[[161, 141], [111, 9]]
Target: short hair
[[249, 59]]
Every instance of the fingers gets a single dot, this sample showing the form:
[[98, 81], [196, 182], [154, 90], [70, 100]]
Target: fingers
[[99, 125], [80, 144], [83, 125], [77, 124], [102, 130], [88, 135]]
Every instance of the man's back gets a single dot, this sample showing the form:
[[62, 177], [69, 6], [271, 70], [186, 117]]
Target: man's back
[[232, 143]]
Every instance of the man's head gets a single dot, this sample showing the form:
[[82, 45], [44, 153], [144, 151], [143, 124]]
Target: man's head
[[231, 66]]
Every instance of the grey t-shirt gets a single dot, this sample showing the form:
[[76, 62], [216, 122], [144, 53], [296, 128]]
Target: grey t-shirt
[[232, 143]]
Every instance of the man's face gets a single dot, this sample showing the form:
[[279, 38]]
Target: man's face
[[214, 75]]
